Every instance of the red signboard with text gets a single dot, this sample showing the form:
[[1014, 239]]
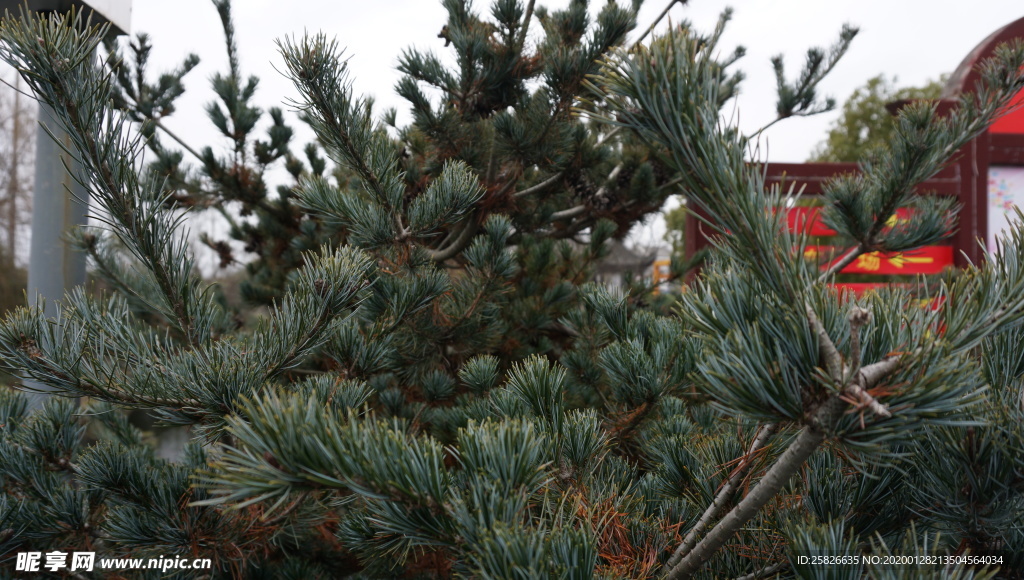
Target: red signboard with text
[[926, 260]]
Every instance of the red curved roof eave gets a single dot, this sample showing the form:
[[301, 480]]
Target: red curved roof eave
[[966, 76]]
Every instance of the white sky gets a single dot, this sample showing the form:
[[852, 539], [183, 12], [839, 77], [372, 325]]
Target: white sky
[[914, 40]]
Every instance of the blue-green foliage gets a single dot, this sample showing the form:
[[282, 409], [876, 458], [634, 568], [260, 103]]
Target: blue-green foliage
[[436, 390]]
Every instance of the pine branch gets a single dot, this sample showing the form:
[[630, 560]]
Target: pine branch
[[527, 18], [829, 354], [858, 318], [657, 20], [604, 138], [157, 123], [870, 375], [568, 213], [721, 501], [104, 392], [809, 439], [843, 262], [862, 398], [460, 243], [540, 186], [341, 122], [67, 79], [105, 261]]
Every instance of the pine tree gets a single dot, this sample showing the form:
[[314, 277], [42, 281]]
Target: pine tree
[[233, 185], [436, 391]]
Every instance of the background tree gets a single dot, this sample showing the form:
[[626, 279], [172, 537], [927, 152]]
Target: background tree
[[266, 224], [864, 123], [675, 229], [482, 113], [437, 392]]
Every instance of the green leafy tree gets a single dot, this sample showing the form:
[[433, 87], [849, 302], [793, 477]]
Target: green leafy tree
[[437, 393], [865, 124], [675, 229]]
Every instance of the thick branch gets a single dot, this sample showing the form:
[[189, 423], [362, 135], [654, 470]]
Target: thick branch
[[864, 399], [611, 177], [604, 138], [579, 209], [843, 262], [535, 188], [568, 213], [869, 376], [791, 460], [459, 244], [657, 20], [829, 354], [858, 318], [722, 498], [521, 41], [809, 439]]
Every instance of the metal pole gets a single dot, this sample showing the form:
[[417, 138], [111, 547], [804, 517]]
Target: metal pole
[[59, 204]]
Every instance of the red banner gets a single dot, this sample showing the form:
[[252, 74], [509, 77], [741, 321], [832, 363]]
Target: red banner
[[926, 260], [1012, 122], [808, 219]]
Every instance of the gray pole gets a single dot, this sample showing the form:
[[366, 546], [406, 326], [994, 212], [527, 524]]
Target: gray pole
[[59, 204], [13, 183]]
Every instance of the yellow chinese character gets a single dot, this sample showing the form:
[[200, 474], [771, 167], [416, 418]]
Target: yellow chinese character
[[870, 261]]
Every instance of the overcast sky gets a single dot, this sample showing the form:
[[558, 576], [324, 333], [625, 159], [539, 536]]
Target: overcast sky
[[914, 40]]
